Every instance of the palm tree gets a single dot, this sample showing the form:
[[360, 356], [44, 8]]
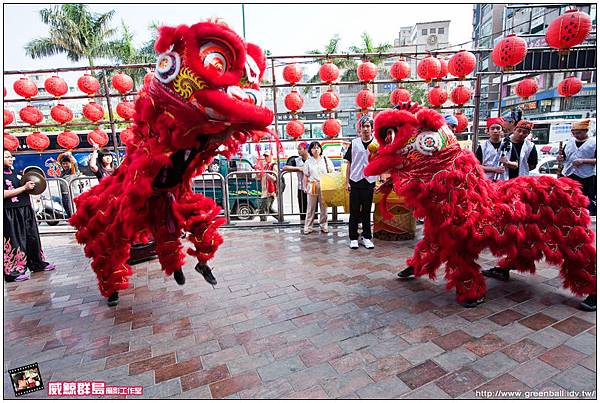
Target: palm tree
[[367, 46], [332, 47], [75, 31], [123, 51]]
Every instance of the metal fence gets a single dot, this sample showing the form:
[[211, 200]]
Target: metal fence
[[243, 204]]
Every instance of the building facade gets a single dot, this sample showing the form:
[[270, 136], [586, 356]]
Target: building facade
[[491, 22]]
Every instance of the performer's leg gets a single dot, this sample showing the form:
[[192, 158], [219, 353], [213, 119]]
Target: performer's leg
[[198, 214], [35, 260], [425, 260], [464, 274]]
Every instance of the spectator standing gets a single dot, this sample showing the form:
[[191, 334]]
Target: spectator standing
[[360, 186], [579, 156], [297, 165], [314, 166]]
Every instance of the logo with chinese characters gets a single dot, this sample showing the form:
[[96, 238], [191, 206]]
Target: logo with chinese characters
[[26, 379], [91, 388]]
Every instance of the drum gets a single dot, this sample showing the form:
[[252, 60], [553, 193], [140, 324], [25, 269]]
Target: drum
[[401, 227]]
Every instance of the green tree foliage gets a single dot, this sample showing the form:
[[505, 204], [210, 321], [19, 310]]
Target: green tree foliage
[[74, 31]]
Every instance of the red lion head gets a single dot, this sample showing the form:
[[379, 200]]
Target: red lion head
[[410, 138], [208, 78]]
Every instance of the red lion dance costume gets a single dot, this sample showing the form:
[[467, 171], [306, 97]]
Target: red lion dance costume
[[521, 220], [203, 100]]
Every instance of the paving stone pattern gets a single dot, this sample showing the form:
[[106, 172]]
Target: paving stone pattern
[[297, 316]]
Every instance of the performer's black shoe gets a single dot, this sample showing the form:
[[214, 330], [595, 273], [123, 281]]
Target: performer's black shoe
[[113, 300], [206, 272], [179, 277], [407, 273], [472, 303], [497, 273], [588, 304]]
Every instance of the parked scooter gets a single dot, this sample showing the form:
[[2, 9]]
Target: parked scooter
[[49, 210]]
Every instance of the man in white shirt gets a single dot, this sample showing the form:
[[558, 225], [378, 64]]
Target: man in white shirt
[[579, 156], [360, 186]]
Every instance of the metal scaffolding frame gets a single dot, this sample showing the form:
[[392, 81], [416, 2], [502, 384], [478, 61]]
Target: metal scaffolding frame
[[274, 86]]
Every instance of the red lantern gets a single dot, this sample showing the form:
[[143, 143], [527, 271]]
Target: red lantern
[[463, 122], [400, 70], [332, 127], [293, 101], [127, 136], [98, 136], [11, 142], [8, 117], [126, 110], [462, 64], [366, 72], [443, 69], [365, 99], [568, 30], [61, 114], [329, 100], [148, 78], [294, 128], [460, 95], [25, 88], [68, 140], [437, 96], [122, 83], [56, 86], [509, 52], [292, 73], [4, 91], [38, 141], [31, 115], [569, 86], [93, 111], [429, 68], [526, 88], [399, 95], [88, 84], [329, 72]]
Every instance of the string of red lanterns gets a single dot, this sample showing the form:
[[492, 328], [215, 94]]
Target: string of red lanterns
[[292, 73]]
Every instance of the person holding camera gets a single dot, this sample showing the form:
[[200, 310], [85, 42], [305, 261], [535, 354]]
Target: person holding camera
[[495, 153]]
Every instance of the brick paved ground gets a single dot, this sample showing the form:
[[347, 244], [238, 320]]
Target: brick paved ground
[[297, 317]]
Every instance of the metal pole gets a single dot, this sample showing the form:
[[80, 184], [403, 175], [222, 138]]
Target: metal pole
[[500, 94], [476, 100], [243, 22], [279, 195], [111, 118]]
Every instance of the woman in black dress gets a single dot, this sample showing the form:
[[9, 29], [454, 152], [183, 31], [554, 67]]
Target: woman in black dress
[[22, 247]]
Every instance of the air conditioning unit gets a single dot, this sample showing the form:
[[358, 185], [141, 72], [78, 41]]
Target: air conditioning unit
[[432, 40]]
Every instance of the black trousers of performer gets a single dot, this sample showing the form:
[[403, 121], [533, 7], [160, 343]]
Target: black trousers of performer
[[361, 200], [21, 233], [588, 186], [302, 203]]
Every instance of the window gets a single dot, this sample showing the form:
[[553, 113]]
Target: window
[[424, 32], [432, 30], [440, 30]]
